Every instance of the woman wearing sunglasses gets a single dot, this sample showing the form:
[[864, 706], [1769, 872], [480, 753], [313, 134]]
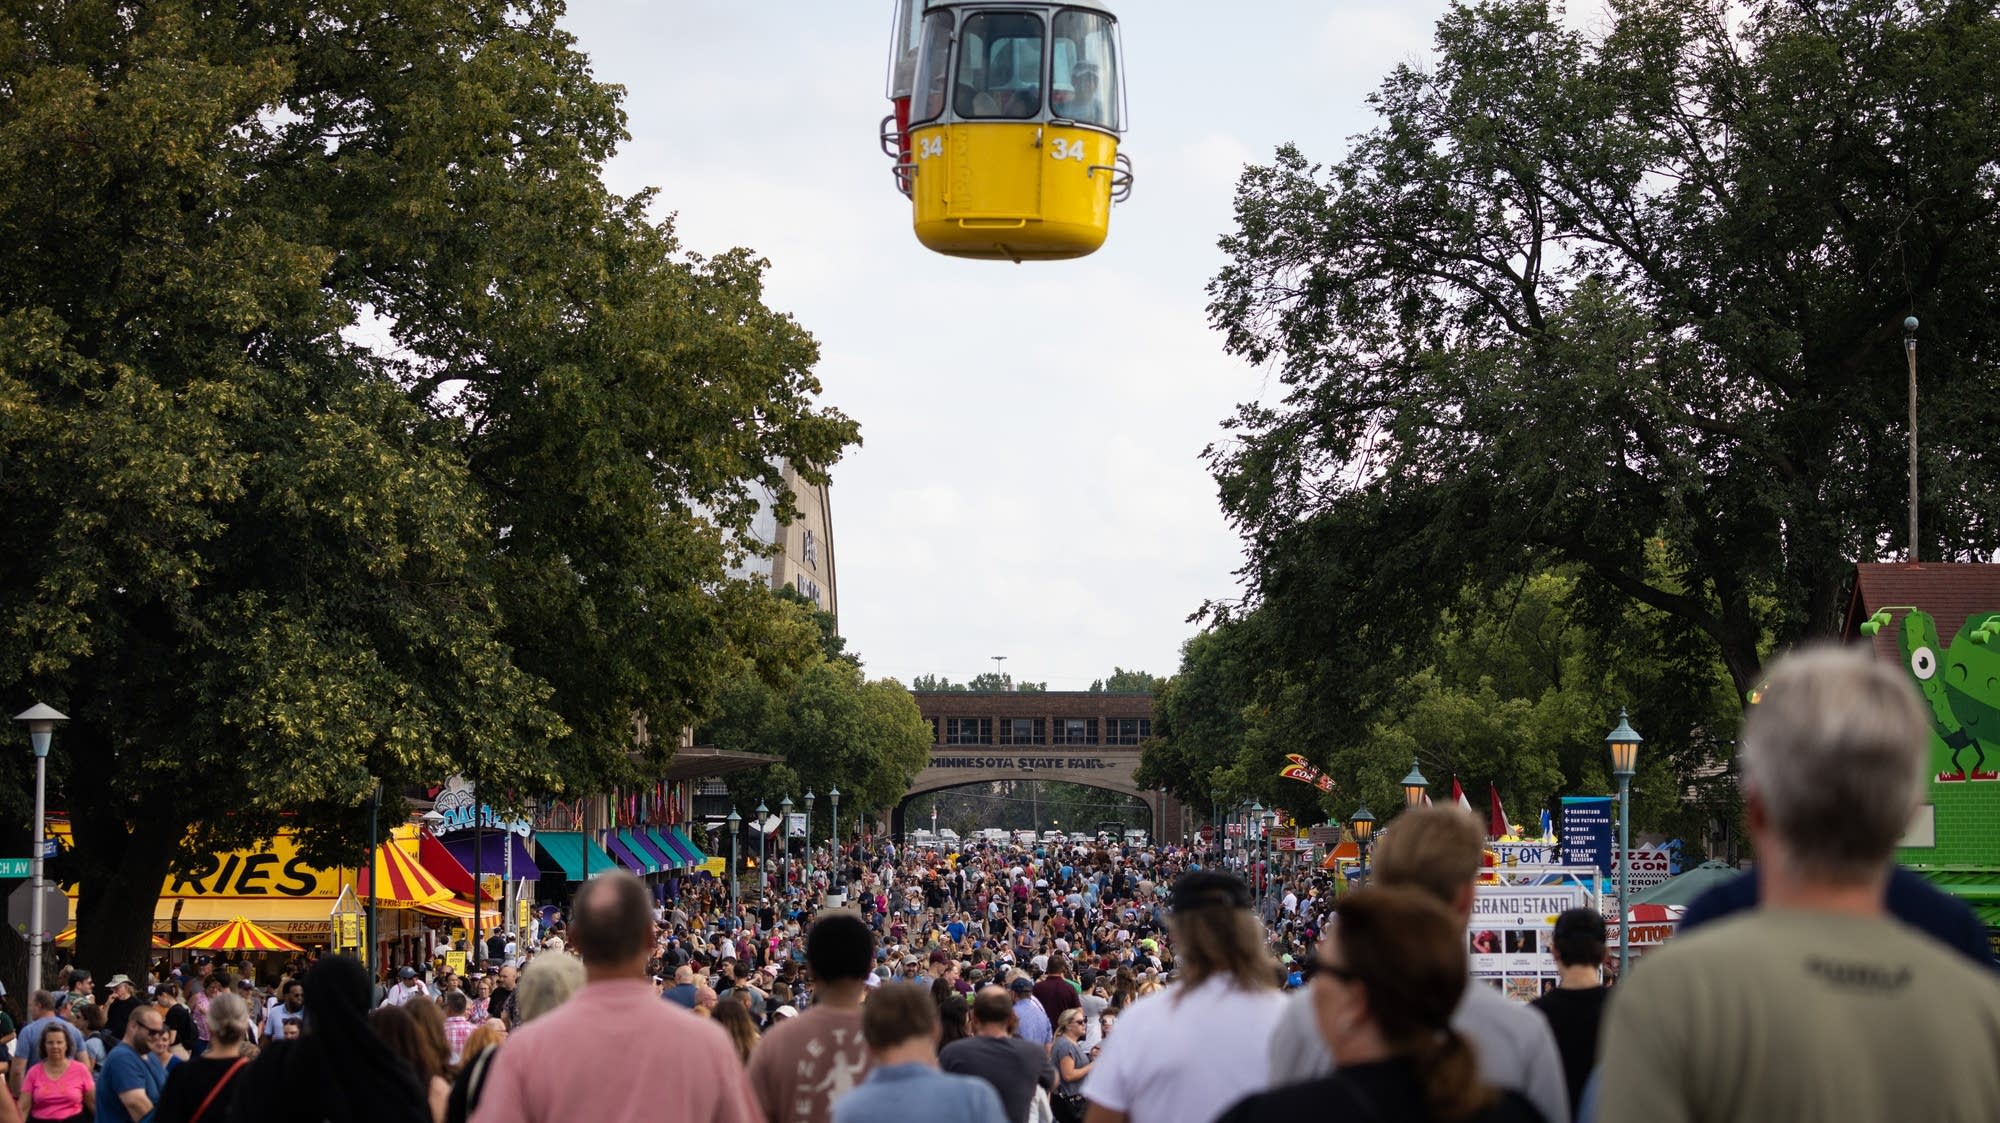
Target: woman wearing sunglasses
[[1383, 991]]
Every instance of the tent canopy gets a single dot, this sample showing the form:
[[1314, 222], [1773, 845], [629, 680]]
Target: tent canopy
[[1682, 889]]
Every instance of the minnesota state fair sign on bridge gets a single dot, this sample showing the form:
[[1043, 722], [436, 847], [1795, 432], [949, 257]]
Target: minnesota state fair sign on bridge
[[1074, 737], [1025, 764]]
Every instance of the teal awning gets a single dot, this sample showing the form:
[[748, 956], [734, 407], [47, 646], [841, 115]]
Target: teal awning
[[647, 861], [686, 845], [566, 850], [669, 856]]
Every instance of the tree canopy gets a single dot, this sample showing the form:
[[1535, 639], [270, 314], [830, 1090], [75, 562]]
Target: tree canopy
[[1628, 302], [1514, 695], [1122, 681], [828, 726], [986, 682], [354, 432]]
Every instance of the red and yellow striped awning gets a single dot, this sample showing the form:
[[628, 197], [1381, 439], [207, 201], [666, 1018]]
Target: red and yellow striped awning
[[461, 911], [67, 938], [403, 883], [238, 935]]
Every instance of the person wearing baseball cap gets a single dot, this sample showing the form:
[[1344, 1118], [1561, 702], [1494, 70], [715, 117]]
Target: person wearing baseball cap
[[1035, 1025], [408, 987]]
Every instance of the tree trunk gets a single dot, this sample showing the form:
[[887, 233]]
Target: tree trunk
[[114, 906]]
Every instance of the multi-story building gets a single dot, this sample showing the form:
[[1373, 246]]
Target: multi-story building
[[803, 558]]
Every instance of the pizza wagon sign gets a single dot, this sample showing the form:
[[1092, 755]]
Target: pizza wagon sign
[[1649, 868]]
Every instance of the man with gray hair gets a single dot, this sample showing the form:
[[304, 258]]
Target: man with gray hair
[[1816, 1004]]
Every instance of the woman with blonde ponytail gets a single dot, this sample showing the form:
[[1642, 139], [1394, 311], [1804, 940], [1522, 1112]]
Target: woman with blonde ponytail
[[1383, 991]]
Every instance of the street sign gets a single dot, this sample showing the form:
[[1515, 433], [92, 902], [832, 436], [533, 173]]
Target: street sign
[[48, 848], [17, 867], [55, 908]]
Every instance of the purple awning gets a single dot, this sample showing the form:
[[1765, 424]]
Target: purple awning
[[492, 853], [665, 858], [621, 852]]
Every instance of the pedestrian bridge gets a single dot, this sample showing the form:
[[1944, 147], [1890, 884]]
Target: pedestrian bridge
[[1072, 737]]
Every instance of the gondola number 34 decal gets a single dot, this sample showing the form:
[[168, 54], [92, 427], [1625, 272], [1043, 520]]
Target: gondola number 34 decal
[[1064, 149], [931, 146]]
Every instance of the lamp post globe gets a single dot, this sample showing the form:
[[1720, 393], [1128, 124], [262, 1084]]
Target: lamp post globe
[[41, 720], [1362, 823], [1623, 742], [1414, 786]]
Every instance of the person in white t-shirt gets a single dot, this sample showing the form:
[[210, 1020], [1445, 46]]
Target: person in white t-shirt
[[1153, 1070]]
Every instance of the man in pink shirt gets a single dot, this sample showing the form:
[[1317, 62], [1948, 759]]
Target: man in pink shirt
[[671, 1064]]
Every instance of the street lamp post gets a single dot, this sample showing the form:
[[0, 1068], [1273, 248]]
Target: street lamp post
[[1363, 825], [1254, 820], [834, 796], [1414, 785], [785, 842], [1910, 349], [1624, 745], [763, 877], [1240, 818], [1215, 819], [735, 830], [809, 835], [1270, 848], [374, 882], [41, 720]]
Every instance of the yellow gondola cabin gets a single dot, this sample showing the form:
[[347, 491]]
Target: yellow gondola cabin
[[1007, 127]]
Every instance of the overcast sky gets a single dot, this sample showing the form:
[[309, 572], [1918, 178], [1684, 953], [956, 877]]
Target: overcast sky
[[1030, 483]]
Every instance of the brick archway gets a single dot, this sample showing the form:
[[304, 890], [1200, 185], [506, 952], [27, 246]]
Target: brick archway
[[1075, 737]]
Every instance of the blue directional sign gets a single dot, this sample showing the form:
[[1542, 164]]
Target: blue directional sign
[[1585, 833]]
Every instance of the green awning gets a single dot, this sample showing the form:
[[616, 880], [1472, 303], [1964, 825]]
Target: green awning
[[649, 863], [566, 850], [680, 839], [670, 858]]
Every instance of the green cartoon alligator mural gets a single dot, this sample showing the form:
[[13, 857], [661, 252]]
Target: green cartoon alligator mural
[[1960, 685]]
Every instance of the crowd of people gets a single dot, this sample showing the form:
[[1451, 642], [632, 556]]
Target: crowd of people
[[1106, 983]]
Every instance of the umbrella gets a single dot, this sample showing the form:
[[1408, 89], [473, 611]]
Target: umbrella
[[1683, 889], [239, 935]]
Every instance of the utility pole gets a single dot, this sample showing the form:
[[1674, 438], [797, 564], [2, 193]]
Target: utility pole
[[1910, 350]]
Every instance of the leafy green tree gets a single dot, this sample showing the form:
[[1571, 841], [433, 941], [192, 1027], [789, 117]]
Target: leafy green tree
[[1626, 301], [354, 432], [1123, 681], [987, 682], [831, 727], [1519, 692]]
